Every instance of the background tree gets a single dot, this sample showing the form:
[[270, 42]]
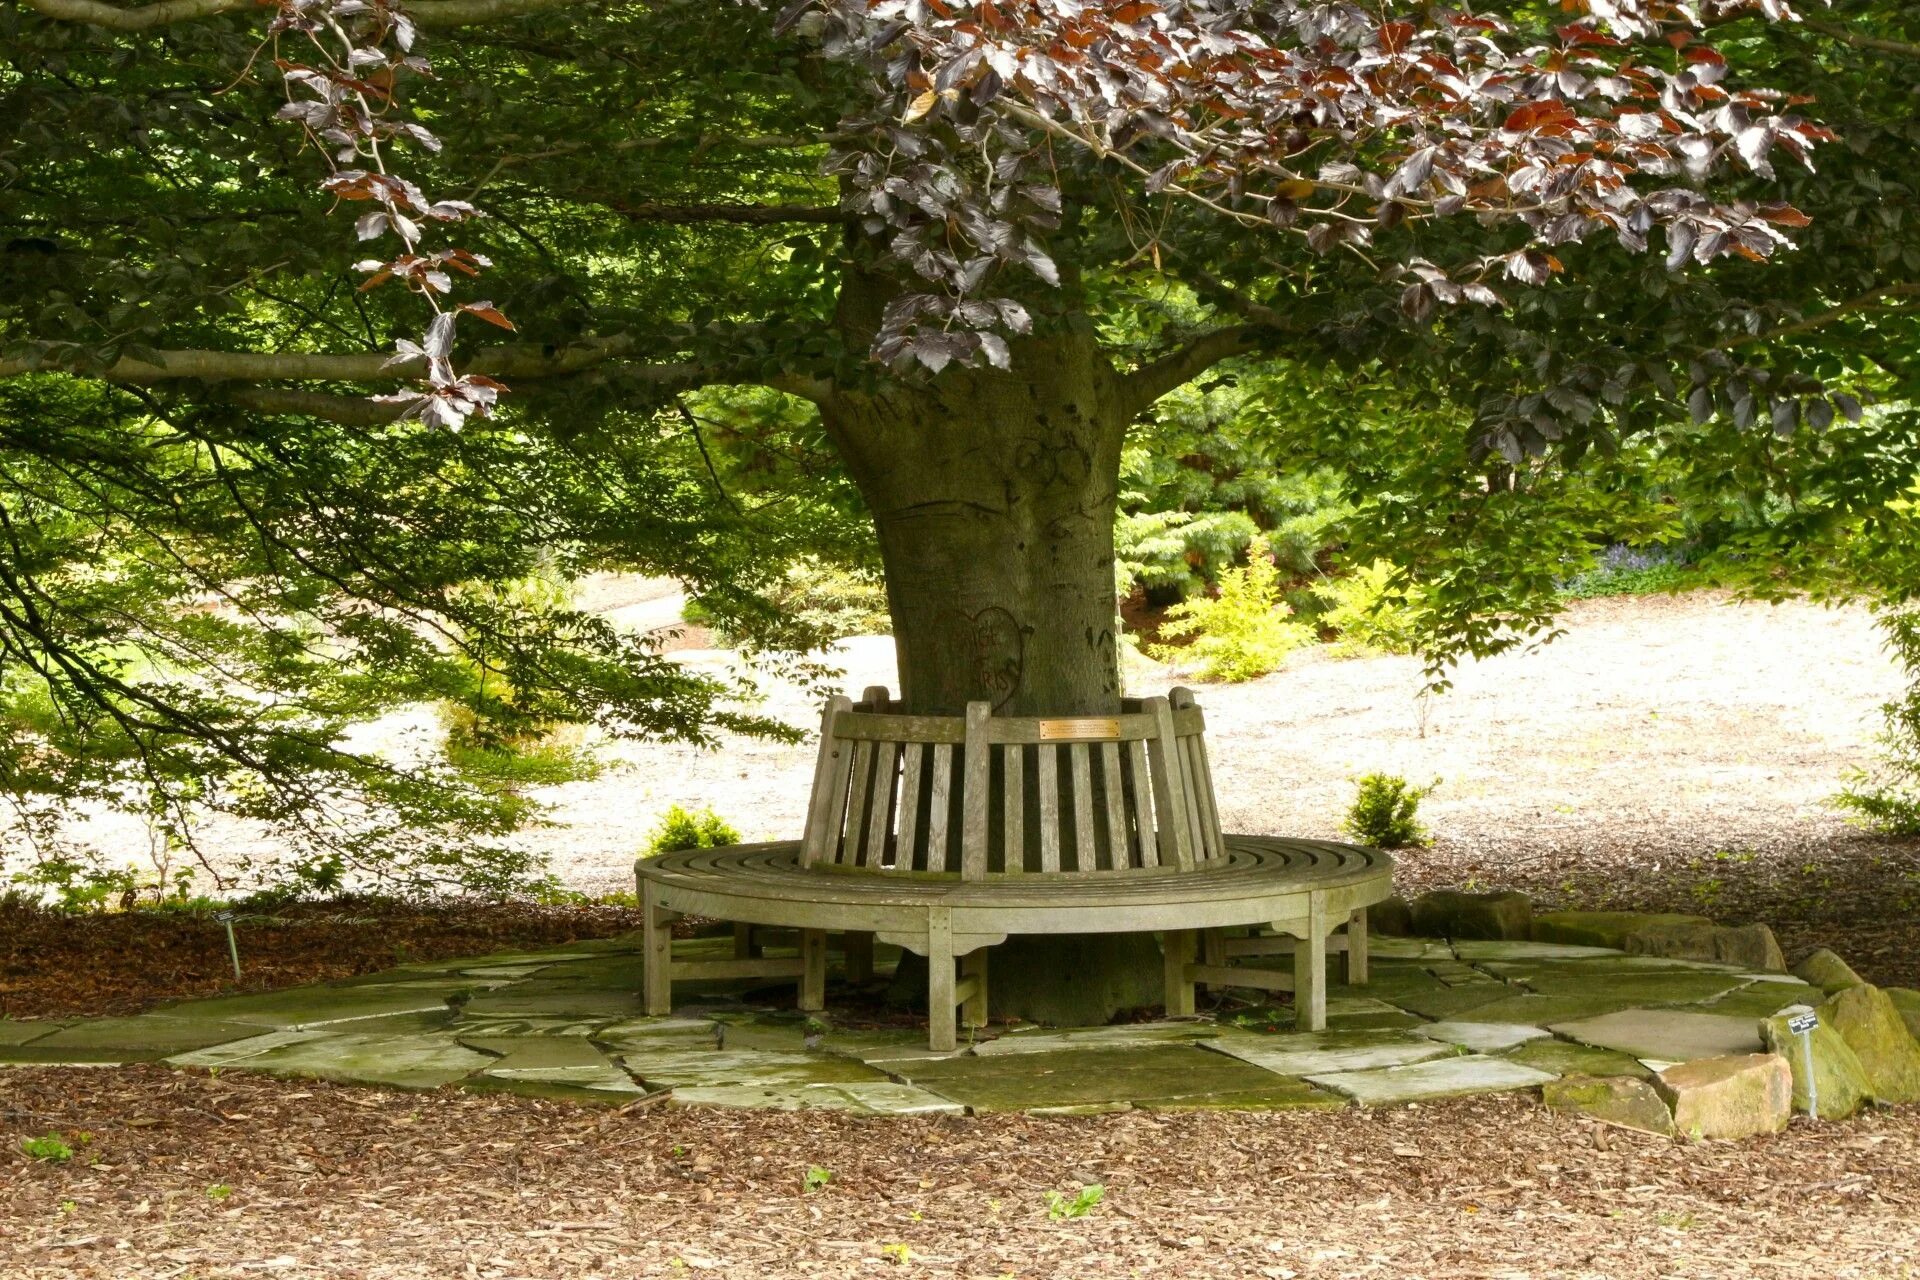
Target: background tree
[[969, 245]]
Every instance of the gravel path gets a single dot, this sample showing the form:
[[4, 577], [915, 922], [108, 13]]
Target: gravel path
[[1675, 727]]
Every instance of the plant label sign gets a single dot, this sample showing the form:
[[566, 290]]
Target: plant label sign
[[1803, 1023]]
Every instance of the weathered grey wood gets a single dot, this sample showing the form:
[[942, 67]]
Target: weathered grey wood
[[856, 833], [1118, 858], [1169, 799], [1149, 849], [937, 810], [1310, 969], [656, 940], [1299, 888], [1013, 759], [764, 967], [1355, 966], [1176, 947], [813, 970], [1083, 850], [886, 771], [942, 1033], [911, 783], [825, 771], [857, 724], [973, 995], [1226, 975], [1049, 807], [1205, 844], [977, 789]]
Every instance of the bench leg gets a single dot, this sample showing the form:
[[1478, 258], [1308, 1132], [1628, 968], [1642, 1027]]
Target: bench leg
[[974, 965], [657, 942], [942, 1032], [1177, 949], [744, 947], [813, 977], [858, 948], [1310, 972], [1356, 955], [1210, 950]]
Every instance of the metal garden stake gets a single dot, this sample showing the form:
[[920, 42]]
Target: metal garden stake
[[233, 946]]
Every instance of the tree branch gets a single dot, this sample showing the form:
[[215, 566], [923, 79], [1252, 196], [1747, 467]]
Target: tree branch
[[520, 361], [748, 214], [1177, 368], [428, 13], [1873, 44], [1870, 301]]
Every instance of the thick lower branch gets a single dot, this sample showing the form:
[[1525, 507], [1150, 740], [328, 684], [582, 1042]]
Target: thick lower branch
[[428, 13]]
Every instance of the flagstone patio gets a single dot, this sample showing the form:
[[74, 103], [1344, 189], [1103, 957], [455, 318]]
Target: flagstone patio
[[1438, 1020]]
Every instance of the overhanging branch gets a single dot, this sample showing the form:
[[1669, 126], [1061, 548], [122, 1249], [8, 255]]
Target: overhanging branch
[[1182, 365], [520, 361], [1872, 44], [428, 13]]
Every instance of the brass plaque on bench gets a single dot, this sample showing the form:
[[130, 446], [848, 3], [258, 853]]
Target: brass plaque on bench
[[1077, 730]]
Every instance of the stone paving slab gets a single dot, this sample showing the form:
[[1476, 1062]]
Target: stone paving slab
[[883, 1097], [1667, 1035], [1440, 1078], [1309, 1053], [1436, 1020], [1483, 1037]]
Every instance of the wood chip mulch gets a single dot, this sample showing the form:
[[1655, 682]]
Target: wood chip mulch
[[179, 1175], [82, 965]]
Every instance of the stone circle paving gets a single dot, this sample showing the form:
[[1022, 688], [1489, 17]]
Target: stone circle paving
[[1697, 1048]]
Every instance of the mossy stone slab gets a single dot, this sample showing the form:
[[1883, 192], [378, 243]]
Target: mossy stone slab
[[1283, 1095], [1825, 969], [538, 998], [1638, 987], [1453, 1002], [1667, 1035], [537, 1052], [552, 1090], [25, 1031], [1828, 1079], [319, 1006], [693, 1067], [879, 1098], [1540, 1011], [401, 1062], [153, 1036], [1138, 1035], [1761, 999], [1452, 1077], [1482, 1037], [1381, 948], [1321, 1052], [1482, 952], [1567, 1057], [1079, 1077]]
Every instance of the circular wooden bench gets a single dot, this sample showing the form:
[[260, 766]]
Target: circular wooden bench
[[947, 835]]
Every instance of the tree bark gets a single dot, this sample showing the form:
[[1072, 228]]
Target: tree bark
[[993, 494]]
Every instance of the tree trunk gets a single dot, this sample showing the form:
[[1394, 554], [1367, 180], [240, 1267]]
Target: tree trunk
[[993, 494]]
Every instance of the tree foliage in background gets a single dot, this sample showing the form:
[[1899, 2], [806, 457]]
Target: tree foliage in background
[[1448, 249]]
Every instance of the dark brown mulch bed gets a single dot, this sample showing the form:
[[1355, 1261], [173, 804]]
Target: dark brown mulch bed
[[56, 965], [238, 1175], [1858, 894]]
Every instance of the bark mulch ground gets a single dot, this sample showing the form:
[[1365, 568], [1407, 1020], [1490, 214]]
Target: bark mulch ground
[[55, 965], [178, 1175]]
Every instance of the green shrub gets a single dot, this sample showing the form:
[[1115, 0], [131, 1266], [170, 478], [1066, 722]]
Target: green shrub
[[1384, 812], [1885, 798], [1245, 631], [1369, 612], [680, 829], [831, 601]]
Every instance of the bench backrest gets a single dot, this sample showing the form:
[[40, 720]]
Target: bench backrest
[[982, 795]]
